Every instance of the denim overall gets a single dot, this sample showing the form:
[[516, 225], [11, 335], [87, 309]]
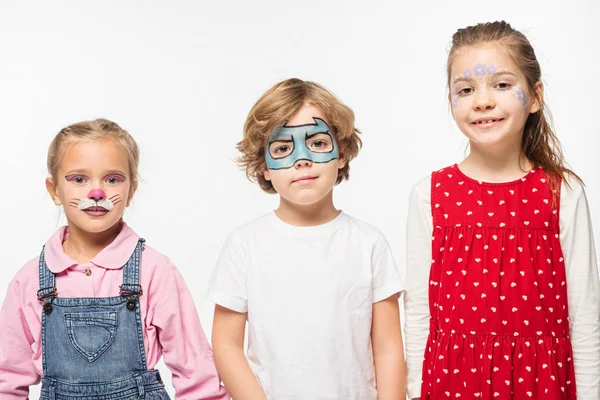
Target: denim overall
[[93, 348]]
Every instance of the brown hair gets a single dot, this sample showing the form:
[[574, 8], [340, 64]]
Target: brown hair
[[278, 105], [539, 143], [99, 129]]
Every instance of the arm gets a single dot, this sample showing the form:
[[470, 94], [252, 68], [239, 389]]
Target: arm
[[388, 352], [17, 371], [416, 299], [228, 344], [583, 288], [186, 351]]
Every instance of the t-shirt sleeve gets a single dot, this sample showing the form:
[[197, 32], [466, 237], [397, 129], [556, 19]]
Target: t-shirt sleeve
[[227, 284], [386, 277]]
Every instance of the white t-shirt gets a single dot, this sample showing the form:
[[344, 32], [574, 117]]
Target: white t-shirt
[[308, 292]]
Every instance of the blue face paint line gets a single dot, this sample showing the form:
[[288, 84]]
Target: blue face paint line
[[296, 137]]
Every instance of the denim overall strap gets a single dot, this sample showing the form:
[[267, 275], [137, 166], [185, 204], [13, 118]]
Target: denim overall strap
[[132, 290], [47, 290], [46, 294], [131, 273]]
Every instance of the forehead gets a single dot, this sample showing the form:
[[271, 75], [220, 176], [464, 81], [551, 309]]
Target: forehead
[[305, 115], [94, 153], [489, 54]]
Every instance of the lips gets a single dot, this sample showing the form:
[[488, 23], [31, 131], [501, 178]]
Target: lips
[[95, 211], [486, 121], [305, 179]]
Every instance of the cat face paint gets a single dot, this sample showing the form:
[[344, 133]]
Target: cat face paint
[[96, 204], [84, 204], [289, 144]]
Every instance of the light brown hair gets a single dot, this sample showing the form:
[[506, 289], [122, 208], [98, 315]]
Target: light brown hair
[[278, 105], [99, 129], [539, 143]]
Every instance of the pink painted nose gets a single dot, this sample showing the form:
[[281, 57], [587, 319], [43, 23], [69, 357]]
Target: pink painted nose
[[96, 194]]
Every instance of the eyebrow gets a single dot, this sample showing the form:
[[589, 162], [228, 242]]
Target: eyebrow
[[85, 171], [311, 135], [282, 140], [494, 75]]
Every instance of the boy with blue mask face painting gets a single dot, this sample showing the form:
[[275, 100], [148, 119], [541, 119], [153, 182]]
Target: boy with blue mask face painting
[[318, 288]]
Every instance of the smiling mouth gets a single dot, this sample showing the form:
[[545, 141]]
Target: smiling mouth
[[484, 122]]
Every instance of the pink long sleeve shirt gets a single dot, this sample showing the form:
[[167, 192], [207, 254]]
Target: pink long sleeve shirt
[[171, 324]]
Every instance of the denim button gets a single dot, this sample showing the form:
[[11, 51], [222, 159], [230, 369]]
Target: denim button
[[131, 305], [48, 308]]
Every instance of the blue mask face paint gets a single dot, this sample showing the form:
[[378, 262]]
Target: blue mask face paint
[[289, 144]]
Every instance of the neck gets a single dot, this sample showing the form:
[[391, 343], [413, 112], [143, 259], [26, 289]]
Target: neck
[[83, 246], [495, 166], [314, 214]]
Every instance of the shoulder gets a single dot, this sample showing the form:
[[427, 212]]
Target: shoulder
[[421, 191], [571, 190], [156, 265], [366, 232], [26, 279], [252, 227]]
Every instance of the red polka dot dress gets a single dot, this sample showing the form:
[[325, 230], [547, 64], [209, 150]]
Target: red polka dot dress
[[499, 325]]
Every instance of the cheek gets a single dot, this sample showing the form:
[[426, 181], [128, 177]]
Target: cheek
[[460, 108], [515, 99], [68, 192], [278, 176]]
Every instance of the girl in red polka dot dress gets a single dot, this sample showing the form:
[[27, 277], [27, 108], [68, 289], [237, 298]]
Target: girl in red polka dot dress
[[503, 300]]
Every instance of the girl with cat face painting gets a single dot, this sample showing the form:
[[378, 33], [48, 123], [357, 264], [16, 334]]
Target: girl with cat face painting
[[93, 314]]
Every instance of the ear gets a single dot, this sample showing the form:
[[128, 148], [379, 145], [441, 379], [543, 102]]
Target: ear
[[537, 98], [342, 161], [267, 174], [51, 188], [132, 191], [265, 171]]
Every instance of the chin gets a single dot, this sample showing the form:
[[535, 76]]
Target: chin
[[96, 226]]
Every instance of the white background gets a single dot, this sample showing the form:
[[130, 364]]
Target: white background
[[181, 77]]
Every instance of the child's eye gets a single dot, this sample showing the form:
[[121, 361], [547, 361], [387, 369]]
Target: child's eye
[[503, 85], [114, 179], [466, 91], [78, 179], [320, 143], [282, 149]]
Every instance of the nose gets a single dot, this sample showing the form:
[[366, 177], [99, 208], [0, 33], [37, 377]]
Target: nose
[[302, 163], [96, 194], [484, 100]]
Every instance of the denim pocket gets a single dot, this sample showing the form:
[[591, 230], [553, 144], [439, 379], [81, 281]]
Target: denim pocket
[[91, 333]]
